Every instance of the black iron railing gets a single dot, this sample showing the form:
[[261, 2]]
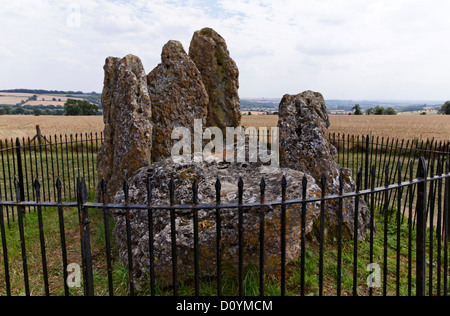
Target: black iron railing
[[411, 213]]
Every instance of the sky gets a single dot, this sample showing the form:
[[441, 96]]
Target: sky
[[345, 49]]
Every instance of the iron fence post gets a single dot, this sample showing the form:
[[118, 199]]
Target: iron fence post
[[20, 169], [366, 164], [421, 210], [85, 235]]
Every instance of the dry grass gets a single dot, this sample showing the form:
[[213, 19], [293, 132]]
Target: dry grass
[[12, 126], [400, 126]]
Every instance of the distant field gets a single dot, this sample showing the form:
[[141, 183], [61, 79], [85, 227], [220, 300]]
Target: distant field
[[13, 98], [401, 126], [25, 125], [42, 99]]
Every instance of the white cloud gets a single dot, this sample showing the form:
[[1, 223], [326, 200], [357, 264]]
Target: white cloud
[[343, 48]]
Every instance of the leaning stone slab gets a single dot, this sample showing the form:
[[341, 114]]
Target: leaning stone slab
[[127, 117], [178, 98], [220, 76]]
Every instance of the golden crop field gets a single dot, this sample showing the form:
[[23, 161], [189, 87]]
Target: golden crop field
[[12, 126], [400, 126]]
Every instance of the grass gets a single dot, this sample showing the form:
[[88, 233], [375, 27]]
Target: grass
[[77, 164], [208, 286]]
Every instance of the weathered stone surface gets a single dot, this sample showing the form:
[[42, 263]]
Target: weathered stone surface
[[304, 145], [206, 175], [127, 116], [178, 97], [220, 76]]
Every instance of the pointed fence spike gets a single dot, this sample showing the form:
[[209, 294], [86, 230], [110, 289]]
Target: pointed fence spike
[[411, 171], [386, 176], [399, 173], [262, 186], [341, 182], [103, 185], [323, 182], [422, 170], [58, 183], [218, 185], [304, 181], [172, 191], [149, 190], [359, 180], [126, 189], [373, 176], [37, 188], [195, 192], [240, 183], [84, 194], [284, 182], [218, 190], [241, 190]]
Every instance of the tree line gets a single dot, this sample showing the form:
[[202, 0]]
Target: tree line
[[445, 109], [71, 108], [378, 110]]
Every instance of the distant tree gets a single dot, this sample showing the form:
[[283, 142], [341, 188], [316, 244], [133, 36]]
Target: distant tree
[[33, 98], [37, 112], [54, 99], [390, 111], [19, 110], [249, 113], [370, 111], [357, 109], [379, 110], [445, 109], [6, 109], [78, 107]]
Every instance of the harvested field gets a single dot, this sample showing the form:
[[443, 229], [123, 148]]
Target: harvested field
[[25, 126], [400, 126], [13, 98]]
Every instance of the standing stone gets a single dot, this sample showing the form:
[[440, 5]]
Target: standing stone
[[206, 175], [305, 146], [178, 97], [221, 78], [127, 117]]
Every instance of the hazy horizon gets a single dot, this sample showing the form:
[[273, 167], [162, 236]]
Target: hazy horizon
[[257, 97]]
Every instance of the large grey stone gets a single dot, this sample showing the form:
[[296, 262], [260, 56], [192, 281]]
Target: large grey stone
[[220, 76], [127, 117], [206, 175], [305, 146], [178, 98]]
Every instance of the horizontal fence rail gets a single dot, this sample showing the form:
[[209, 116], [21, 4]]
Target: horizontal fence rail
[[52, 231]]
